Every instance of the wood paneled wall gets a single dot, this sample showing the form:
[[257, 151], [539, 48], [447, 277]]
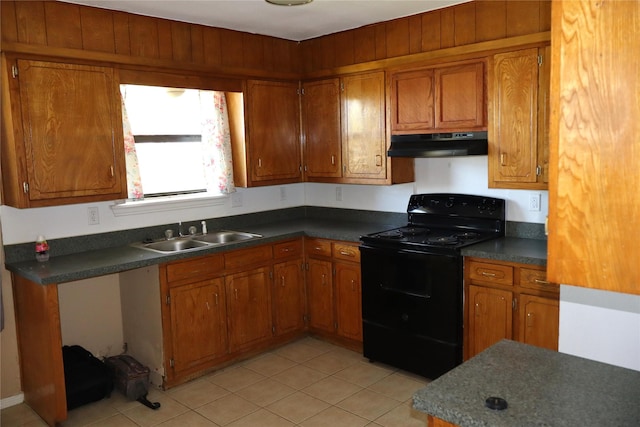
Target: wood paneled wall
[[464, 24], [63, 25], [55, 24]]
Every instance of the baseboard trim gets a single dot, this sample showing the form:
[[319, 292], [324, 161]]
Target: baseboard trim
[[11, 401]]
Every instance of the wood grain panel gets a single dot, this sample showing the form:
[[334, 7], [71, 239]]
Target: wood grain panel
[[143, 35], [121, 33], [327, 53], [211, 46], [97, 30], [523, 17], [545, 15], [415, 34], [397, 32], [40, 345], [8, 25], [447, 27], [437, 422], [181, 41], [31, 25], [252, 51], [381, 41], [165, 43], [197, 43], [345, 52], [595, 150], [365, 44], [430, 31], [231, 48], [539, 321], [63, 25], [491, 20], [465, 24]]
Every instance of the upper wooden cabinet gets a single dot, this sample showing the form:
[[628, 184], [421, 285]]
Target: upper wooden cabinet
[[345, 132], [62, 139], [444, 98], [594, 203], [272, 146], [519, 116]]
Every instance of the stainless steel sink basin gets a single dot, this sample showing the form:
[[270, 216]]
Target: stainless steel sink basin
[[196, 242], [219, 237]]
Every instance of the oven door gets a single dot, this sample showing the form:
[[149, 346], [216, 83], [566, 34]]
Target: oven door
[[414, 292]]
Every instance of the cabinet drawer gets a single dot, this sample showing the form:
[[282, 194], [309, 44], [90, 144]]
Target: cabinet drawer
[[248, 256], [287, 249], [537, 279], [199, 268], [346, 251], [318, 247], [491, 273]]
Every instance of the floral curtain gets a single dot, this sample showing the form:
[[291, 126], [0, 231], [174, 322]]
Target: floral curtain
[[134, 182], [216, 142]]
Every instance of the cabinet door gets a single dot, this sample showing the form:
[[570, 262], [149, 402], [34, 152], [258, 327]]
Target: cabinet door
[[364, 145], [513, 144], [348, 300], [273, 129], [490, 317], [412, 101], [248, 308], [539, 321], [288, 297], [198, 323], [320, 295], [72, 127], [459, 103], [321, 121]]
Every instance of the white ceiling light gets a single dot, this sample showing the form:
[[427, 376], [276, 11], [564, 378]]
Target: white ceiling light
[[288, 2]]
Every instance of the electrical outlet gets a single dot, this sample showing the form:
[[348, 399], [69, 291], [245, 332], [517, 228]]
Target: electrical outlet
[[283, 193], [93, 215], [339, 194], [534, 202], [236, 200]]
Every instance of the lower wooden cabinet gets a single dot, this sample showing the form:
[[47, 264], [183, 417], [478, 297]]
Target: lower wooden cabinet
[[334, 290], [249, 316], [221, 307], [506, 300]]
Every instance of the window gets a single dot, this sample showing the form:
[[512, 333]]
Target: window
[[182, 141]]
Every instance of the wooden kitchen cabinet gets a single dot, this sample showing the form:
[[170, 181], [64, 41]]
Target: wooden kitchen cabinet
[[443, 98], [272, 146], [505, 300], [519, 112], [345, 137], [289, 308], [62, 139], [334, 290], [322, 135], [198, 323], [248, 308]]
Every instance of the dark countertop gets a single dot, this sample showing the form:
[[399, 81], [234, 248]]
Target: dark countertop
[[513, 249], [542, 388], [93, 263]]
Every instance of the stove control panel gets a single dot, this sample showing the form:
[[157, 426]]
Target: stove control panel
[[462, 205]]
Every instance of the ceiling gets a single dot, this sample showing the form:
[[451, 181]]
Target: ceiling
[[297, 23]]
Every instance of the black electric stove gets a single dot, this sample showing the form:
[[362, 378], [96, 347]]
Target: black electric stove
[[412, 281]]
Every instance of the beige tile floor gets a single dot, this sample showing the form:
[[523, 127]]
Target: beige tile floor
[[308, 383]]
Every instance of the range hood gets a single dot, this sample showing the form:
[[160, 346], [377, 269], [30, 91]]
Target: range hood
[[439, 144]]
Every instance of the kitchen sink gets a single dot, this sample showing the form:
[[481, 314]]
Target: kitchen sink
[[219, 237], [196, 242]]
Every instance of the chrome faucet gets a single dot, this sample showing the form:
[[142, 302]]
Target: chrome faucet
[[180, 232]]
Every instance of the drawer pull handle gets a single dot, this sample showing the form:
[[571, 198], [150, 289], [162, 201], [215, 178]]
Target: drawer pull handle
[[542, 282], [484, 273], [346, 253], [317, 248]]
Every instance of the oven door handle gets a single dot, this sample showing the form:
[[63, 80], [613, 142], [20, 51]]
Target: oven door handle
[[397, 291]]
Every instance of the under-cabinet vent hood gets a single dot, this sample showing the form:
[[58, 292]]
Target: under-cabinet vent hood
[[439, 144]]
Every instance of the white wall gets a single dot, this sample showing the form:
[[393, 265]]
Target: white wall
[[599, 325]]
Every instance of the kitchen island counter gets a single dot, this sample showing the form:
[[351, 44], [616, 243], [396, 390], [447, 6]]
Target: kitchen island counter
[[541, 387]]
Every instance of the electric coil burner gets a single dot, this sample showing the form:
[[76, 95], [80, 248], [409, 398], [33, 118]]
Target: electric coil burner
[[412, 281]]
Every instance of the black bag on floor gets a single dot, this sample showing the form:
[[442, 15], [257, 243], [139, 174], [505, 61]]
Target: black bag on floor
[[86, 378], [131, 378]]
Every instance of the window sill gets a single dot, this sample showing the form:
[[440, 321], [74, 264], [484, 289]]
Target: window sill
[[161, 204]]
